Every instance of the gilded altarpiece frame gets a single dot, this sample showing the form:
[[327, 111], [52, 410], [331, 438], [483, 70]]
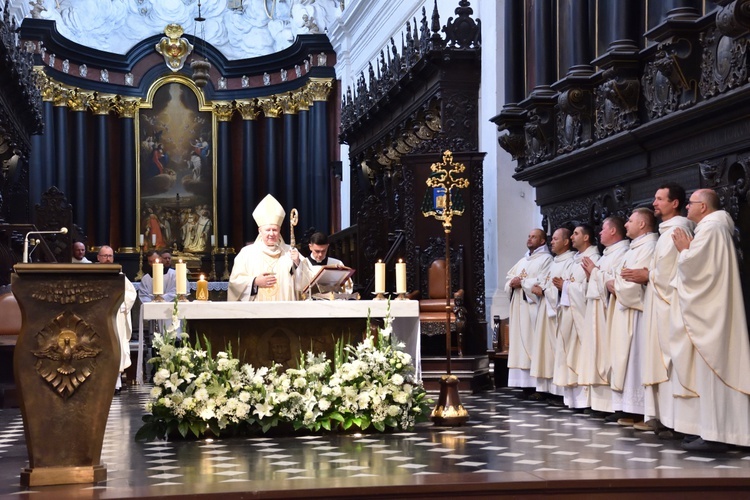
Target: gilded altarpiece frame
[[176, 167]]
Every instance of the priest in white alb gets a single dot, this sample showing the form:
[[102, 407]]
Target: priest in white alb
[[310, 266], [624, 317], [572, 315], [523, 308], [264, 271], [713, 315], [665, 398], [593, 359], [549, 290]]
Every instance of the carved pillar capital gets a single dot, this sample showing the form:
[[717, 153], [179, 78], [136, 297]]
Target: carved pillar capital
[[512, 118], [126, 108], [270, 107], [60, 96], [101, 104], [303, 100], [77, 100], [249, 110], [223, 110], [288, 104], [616, 96], [539, 127], [320, 88]]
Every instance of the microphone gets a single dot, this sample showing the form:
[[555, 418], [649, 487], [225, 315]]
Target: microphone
[[63, 230]]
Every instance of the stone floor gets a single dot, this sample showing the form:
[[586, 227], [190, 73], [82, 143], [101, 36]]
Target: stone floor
[[505, 435]]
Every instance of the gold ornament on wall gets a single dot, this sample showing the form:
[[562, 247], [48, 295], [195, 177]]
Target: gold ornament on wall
[[174, 48]]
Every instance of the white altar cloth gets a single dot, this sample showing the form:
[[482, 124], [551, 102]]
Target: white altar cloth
[[405, 314]]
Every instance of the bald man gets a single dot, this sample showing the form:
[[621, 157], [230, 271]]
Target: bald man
[[714, 360], [524, 305], [79, 254]]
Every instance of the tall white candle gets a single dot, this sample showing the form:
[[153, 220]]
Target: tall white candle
[[225, 241], [400, 276], [181, 271], [153, 239], [213, 241], [141, 240], [380, 277], [158, 277]]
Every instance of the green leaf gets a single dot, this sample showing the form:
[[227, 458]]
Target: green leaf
[[336, 416], [379, 426], [183, 427], [326, 424]]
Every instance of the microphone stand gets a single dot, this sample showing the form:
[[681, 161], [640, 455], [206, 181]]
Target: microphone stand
[[63, 230]]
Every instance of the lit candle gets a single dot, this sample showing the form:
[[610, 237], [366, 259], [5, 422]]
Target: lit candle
[[158, 277], [213, 241], [181, 271], [380, 277], [225, 241], [153, 240], [141, 240], [201, 290], [400, 276]]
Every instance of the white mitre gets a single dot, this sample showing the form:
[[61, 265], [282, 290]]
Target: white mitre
[[269, 211]]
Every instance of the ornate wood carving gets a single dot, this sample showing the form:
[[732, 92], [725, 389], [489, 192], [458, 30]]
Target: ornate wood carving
[[574, 124], [724, 64]]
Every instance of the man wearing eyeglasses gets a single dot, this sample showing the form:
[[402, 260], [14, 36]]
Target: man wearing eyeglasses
[[712, 316]]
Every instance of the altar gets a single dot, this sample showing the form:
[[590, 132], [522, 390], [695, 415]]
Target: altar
[[261, 333]]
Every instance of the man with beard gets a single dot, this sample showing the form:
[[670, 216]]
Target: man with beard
[[548, 291], [523, 309], [665, 398]]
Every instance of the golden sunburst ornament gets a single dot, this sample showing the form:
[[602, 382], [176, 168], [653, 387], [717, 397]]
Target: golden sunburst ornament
[[67, 353]]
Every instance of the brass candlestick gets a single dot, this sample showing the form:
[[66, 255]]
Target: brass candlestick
[[139, 274], [158, 297], [379, 296], [225, 275], [212, 274], [444, 179]]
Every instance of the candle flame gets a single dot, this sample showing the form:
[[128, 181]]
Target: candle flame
[[157, 261], [202, 277], [180, 261], [400, 261]]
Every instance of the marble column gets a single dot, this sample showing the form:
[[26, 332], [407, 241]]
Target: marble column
[[620, 20], [304, 176], [79, 196], [272, 110], [515, 79], [319, 89], [541, 38], [223, 111], [574, 36], [100, 107], [249, 111], [126, 110], [61, 138], [289, 147]]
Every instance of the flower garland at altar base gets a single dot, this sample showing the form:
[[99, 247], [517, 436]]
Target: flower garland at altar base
[[368, 386]]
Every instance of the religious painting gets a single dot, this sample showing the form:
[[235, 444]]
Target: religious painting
[[176, 169]]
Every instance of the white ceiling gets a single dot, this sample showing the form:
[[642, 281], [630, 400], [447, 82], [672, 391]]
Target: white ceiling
[[117, 25]]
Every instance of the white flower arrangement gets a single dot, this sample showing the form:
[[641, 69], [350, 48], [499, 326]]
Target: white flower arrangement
[[372, 384]]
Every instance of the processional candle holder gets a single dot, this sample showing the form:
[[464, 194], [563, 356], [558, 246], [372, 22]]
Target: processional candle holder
[[182, 297], [445, 182], [379, 296], [158, 297], [401, 296]]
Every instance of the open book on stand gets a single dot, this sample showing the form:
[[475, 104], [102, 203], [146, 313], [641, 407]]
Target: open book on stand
[[329, 279]]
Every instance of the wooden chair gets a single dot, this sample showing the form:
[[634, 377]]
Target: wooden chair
[[432, 300]]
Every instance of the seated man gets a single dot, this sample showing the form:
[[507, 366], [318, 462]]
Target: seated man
[[79, 253], [310, 266], [146, 292]]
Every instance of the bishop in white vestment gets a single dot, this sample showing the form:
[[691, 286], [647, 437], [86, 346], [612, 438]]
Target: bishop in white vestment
[[264, 271]]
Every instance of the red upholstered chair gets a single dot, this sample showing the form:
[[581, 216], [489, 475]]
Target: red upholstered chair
[[432, 305]]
